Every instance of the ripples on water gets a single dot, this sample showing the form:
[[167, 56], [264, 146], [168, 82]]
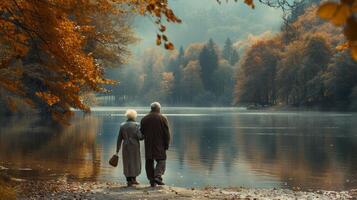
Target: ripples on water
[[210, 146]]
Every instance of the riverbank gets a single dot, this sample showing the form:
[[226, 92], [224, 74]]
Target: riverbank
[[65, 189], [291, 108]]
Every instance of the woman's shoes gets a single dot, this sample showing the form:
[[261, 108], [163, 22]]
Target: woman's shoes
[[132, 182]]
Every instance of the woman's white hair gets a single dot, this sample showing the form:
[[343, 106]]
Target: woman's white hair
[[131, 114]]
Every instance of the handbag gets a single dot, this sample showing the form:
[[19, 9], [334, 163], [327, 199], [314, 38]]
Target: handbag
[[114, 160]]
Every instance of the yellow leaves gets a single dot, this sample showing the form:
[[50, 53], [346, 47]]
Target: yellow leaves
[[158, 40], [343, 46], [250, 3], [334, 12], [162, 28], [354, 7], [49, 98], [169, 46], [354, 52], [350, 30], [341, 14], [11, 104], [59, 37], [159, 9]]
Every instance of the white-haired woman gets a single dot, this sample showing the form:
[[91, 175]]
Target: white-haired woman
[[129, 136]]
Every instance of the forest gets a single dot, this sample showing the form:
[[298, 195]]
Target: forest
[[58, 56], [200, 74], [299, 66]]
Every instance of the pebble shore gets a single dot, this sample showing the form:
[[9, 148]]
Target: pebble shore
[[63, 189]]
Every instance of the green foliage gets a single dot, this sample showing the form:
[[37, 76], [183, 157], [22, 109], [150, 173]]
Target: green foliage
[[229, 53], [208, 60], [227, 49]]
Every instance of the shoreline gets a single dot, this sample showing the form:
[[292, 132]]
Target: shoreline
[[71, 189]]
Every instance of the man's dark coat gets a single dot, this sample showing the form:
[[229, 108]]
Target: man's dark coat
[[155, 129]]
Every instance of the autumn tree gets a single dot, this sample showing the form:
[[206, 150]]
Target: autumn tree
[[308, 71], [175, 66], [299, 76], [256, 76], [340, 80], [166, 86], [192, 82], [54, 51], [223, 83]]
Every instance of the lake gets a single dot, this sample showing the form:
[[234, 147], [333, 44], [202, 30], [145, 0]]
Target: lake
[[210, 146]]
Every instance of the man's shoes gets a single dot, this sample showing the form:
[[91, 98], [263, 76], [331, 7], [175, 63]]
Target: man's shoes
[[159, 181], [152, 184], [130, 183]]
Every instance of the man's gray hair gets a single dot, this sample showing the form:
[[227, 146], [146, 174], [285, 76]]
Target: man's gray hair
[[155, 106]]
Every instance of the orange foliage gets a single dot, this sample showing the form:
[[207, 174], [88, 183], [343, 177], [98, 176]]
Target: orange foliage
[[54, 50], [342, 14]]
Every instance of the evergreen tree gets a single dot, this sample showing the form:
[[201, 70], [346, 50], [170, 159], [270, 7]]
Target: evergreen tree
[[229, 53], [235, 57], [208, 60], [181, 53], [177, 74], [227, 50]]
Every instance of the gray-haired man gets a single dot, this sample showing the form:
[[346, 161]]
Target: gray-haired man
[[155, 128]]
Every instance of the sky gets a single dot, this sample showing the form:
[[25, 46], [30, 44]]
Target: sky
[[205, 19]]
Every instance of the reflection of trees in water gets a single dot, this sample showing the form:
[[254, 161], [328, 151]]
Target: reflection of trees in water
[[201, 145], [302, 153], [309, 151], [25, 143]]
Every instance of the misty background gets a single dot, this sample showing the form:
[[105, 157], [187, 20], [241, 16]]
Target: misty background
[[205, 19], [202, 20]]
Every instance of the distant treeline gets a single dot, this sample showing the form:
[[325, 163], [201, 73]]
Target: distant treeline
[[299, 66], [200, 75]]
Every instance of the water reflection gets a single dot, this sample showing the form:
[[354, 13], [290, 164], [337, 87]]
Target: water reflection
[[226, 147], [51, 150]]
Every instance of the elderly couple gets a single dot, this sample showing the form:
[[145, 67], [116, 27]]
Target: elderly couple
[[154, 130]]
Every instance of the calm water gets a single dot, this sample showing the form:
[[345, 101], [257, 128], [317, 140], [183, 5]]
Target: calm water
[[222, 146]]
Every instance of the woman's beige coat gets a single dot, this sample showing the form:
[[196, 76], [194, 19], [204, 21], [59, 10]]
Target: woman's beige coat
[[128, 139]]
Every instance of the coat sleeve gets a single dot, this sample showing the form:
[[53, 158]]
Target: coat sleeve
[[138, 132], [141, 128], [120, 139], [166, 130]]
